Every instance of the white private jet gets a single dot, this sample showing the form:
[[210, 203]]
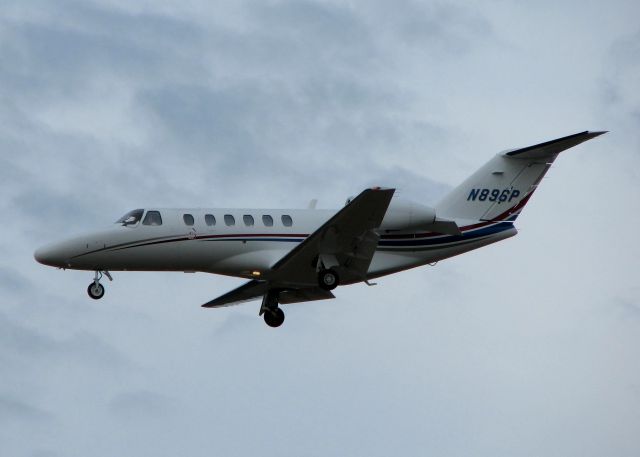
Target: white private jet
[[302, 255]]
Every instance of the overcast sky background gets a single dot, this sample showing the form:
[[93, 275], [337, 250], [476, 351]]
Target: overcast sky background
[[528, 347]]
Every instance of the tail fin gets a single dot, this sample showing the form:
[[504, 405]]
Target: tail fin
[[501, 188]]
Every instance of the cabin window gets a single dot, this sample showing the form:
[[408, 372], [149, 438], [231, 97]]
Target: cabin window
[[188, 219], [267, 220], [210, 219], [152, 218], [229, 219], [248, 220], [131, 218], [286, 220]]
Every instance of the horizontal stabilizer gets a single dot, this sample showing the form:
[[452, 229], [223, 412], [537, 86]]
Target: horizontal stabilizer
[[553, 147]]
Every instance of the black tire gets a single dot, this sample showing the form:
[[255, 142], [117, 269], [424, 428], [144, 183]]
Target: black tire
[[274, 318], [328, 279], [95, 292]]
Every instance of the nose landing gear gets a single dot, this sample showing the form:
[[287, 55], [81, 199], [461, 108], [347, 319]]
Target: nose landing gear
[[95, 289]]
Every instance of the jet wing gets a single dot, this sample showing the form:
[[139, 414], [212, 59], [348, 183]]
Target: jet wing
[[347, 241]]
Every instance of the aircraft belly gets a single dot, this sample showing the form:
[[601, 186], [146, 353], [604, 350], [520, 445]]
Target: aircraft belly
[[225, 257], [388, 262], [251, 256], [178, 256]]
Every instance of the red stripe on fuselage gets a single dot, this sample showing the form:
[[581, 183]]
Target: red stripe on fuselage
[[250, 235], [499, 218]]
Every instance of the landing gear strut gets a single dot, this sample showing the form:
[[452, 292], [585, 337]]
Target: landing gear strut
[[95, 289], [272, 314]]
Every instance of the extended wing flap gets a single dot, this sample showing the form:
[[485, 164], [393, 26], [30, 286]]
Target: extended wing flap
[[254, 290], [302, 295], [251, 290]]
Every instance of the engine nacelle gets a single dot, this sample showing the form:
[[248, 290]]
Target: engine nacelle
[[404, 214]]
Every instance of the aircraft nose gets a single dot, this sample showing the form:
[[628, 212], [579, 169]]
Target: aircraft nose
[[50, 255]]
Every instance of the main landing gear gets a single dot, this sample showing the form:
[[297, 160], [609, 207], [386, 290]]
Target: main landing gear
[[271, 312], [274, 318], [95, 289], [328, 279]]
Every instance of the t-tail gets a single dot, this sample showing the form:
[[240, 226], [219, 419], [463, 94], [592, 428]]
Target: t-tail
[[499, 190]]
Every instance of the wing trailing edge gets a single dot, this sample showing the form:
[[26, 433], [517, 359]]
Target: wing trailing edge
[[251, 290]]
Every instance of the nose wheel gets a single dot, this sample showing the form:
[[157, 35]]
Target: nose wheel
[[95, 289]]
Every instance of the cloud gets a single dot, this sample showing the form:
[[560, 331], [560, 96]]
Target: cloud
[[17, 339], [12, 281], [28, 344], [141, 404], [618, 90], [14, 410], [446, 29], [629, 308], [141, 101]]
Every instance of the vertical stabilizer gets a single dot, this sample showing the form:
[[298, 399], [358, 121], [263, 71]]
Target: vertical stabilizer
[[501, 188]]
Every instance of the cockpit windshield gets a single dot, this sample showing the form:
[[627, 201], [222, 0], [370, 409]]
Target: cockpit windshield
[[131, 218]]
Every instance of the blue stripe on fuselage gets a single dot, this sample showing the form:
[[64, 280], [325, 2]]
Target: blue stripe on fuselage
[[288, 240], [429, 241]]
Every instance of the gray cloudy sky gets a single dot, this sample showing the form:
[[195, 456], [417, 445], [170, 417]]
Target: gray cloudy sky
[[527, 348]]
